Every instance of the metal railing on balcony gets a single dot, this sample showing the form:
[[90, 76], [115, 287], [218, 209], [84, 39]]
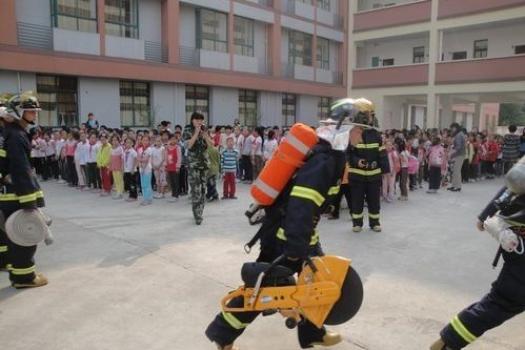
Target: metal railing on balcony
[[35, 36], [156, 52], [189, 56]]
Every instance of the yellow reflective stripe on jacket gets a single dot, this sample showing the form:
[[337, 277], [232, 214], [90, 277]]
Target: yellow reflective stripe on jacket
[[373, 216], [27, 271], [460, 328], [281, 235], [3, 153], [357, 216], [367, 145], [233, 321], [27, 198], [8, 197], [334, 190], [365, 172], [315, 238], [22, 199], [3, 248], [313, 241], [307, 193], [382, 148]]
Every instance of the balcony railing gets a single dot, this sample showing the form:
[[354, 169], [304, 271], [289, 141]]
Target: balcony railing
[[189, 56], [35, 36], [413, 74], [403, 14], [454, 8], [156, 52], [481, 70]]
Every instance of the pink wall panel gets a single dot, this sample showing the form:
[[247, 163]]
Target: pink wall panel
[[494, 69], [391, 76], [392, 16], [453, 8]]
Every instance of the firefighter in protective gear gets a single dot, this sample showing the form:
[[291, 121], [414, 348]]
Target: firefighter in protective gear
[[289, 226], [504, 219], [20, 189], [368, 160]]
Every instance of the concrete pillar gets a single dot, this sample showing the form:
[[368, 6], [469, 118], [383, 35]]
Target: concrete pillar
[[275, 40], [231, 34], [170, 29], [432, 117], [434, 48], [101, 24], [446, 111], [314, 42], [8, 32], [476, 117], [349, 51], [344, 10]]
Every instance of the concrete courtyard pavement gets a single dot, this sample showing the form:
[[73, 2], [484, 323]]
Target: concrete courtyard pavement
[[129, 277]]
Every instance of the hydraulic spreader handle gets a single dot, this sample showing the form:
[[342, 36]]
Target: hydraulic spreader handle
[[311, 264]]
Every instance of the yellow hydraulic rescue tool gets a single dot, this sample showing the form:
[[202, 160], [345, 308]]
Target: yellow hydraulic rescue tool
[[327, 291]]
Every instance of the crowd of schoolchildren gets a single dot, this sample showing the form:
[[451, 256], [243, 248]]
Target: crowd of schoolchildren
[[418, 156], [124, 163]]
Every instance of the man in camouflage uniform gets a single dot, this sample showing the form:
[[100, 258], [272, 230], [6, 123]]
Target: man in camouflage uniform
[[197, 141]]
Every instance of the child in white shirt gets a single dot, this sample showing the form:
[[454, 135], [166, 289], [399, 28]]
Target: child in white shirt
[[158, 162]]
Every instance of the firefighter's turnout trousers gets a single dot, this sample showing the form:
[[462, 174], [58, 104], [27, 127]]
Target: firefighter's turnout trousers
[[505, 300]]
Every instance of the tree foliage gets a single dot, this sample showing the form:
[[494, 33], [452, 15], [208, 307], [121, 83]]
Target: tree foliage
[[512, 113]]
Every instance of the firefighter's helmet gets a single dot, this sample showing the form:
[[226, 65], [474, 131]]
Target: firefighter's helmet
[[18, 104], [345, 114], [4, 99]]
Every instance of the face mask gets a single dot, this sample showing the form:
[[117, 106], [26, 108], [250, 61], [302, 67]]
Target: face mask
[[338, 138]]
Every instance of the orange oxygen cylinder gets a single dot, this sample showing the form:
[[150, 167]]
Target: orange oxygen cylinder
[[288, 157]]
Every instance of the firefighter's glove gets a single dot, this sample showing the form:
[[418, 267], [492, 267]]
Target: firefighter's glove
[[501, 232]]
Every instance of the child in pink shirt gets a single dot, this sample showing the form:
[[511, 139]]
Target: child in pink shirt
[[173, 162], [436, 165], [389, 179]]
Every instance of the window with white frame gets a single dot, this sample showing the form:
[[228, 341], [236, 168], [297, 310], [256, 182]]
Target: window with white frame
[[324, 4], [418, 54], [248, 107], [481, 48], [58, 99], [244, 36], [289, 109], [388, 61], [122, 18], [299, 48], [135, 107], [212, 30], [80, 15], [197, 100], [519, 49], [323, 107]]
